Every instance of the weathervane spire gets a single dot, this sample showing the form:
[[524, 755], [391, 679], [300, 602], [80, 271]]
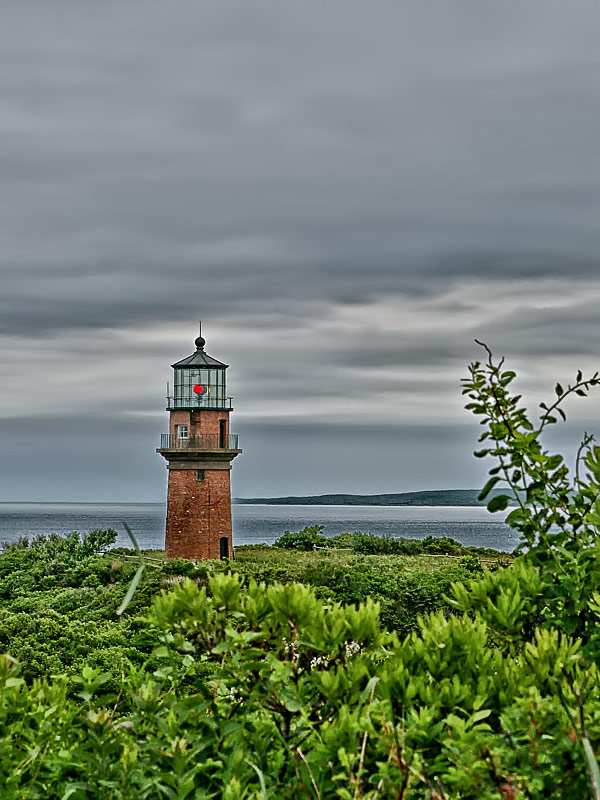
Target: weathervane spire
[[200, 341]]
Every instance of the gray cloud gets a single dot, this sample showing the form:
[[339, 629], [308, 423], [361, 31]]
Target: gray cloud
[[347, 197]]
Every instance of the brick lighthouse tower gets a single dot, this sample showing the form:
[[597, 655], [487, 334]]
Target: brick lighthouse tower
[[199, 450]]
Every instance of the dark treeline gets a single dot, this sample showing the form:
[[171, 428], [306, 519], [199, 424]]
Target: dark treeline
[[436, 497]]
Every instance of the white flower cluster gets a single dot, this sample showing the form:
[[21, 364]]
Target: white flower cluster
[[351, 648], [290, 646], [231, 693], [174, 580], [319, 661]]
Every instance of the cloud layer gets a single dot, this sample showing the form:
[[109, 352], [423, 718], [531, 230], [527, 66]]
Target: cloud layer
[[346, 194]]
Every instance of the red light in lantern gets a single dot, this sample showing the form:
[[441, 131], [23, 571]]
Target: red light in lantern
[[199, 389]]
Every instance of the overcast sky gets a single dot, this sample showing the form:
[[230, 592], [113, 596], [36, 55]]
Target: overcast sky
[[346, 193]]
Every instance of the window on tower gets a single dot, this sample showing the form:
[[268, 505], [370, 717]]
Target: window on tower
[[182, 432]]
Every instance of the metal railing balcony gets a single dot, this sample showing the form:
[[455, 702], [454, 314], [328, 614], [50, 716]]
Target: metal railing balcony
[[208, 402], [205, 441]]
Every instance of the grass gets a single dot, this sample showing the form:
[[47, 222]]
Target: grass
[[257, 554], [263, 554]]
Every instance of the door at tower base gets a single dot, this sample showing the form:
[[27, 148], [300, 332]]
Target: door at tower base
[[198, 514]]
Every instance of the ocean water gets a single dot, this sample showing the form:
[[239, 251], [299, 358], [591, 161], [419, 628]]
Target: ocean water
[[255, 524]]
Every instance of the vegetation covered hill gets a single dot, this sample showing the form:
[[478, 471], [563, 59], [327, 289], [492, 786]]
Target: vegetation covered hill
[[59, 596], [438, 497]]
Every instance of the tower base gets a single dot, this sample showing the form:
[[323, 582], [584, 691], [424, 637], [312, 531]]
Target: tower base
[[198, 513], [198, 501]]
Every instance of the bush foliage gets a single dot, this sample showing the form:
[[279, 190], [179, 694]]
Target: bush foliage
[[59, 600], [311, 538], [282, 690]]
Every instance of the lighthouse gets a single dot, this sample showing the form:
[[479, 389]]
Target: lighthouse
[[199, 449]]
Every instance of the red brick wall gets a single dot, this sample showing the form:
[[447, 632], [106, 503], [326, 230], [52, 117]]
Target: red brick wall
[[198, 513], [199, 422], [208, 421]]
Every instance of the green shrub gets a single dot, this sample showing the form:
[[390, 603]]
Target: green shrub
[[265, 691], [343, 541], [369, 543], [306, 539], [442, 545]]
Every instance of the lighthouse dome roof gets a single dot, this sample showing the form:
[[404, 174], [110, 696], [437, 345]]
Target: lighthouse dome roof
[[200, 358]]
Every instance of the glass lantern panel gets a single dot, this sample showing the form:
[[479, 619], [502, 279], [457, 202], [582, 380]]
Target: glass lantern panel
[[199, 388]]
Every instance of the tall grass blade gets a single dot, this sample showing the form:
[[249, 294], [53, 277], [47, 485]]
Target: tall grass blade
[[593, 768], [131, 591], [261, 778], [138, 575], [129, 532]]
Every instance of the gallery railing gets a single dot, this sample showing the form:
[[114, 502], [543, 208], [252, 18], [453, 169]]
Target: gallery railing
[[192, 401], [205, 441]]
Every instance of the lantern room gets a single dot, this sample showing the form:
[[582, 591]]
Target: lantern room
[[199, 382]]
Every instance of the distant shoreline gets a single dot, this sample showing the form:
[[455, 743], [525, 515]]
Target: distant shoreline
[[431, 497], [435, 497]]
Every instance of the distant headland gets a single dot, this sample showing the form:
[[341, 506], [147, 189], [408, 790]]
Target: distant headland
[[435, 497]]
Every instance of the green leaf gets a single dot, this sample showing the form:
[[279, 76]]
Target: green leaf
[[593, 767], [559, 390], [131, 591], [261, 778], [481, 453], [516, 517], [11, 682], [479, 715], [499, 503], [290, 700], [72, 788], [487, 488], [369, 689]]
